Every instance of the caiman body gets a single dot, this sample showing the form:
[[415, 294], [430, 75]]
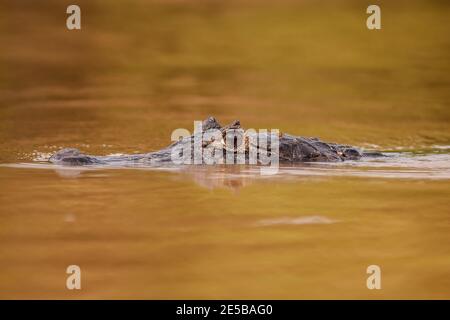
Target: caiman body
[[292, 149]]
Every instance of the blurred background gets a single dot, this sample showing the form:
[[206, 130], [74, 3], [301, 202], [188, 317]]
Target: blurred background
[[138, 69]]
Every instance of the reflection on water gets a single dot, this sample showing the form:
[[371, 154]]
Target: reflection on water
[[399, 165], [161, 234], [139, 69], [294, 221]]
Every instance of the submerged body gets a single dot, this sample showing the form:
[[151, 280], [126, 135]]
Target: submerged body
[[291, 149]]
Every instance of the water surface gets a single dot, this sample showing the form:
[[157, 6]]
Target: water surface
[[137, 71]]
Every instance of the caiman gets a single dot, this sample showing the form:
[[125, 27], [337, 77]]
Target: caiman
[[292, 149]]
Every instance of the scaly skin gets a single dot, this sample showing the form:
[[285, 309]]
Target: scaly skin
[[292, 149]]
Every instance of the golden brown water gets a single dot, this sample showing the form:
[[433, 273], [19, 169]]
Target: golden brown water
[[135, 72]]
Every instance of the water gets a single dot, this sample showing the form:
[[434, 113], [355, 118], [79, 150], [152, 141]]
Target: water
[[134, 73], [400, 165]]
